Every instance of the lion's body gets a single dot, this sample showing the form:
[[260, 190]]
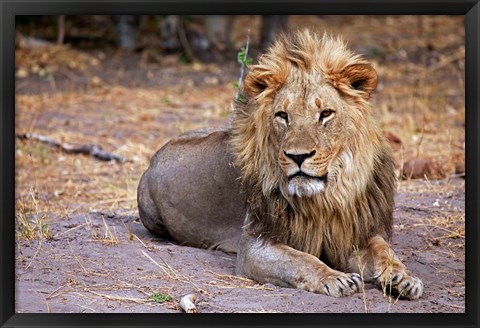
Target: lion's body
[[305, 164], [169, 208]]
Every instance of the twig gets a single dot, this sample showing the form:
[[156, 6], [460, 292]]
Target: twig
[[452, 233], [143, 244], [67, 231], [240, 80], [76, 259], [61, 29], [169, 272], [46, 302], [92, 150], [114, 200], [119, 298], [53, 293]]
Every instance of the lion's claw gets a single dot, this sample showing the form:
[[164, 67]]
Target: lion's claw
[[410, 287], [404, 285], [343, 284]]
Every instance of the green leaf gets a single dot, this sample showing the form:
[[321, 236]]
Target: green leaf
[[160, 298], [241, 55], [235, 85]]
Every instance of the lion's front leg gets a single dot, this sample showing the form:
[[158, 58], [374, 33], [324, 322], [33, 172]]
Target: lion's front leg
[[282, 265], [381, 266]]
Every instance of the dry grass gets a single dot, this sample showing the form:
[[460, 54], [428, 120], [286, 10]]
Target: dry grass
[[361, 268], [31, 218], [106, 236], [386, 279], [229, 281], [448, 230], [78, 183], [172, 275]]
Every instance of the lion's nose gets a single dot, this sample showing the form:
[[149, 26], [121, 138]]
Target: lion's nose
[[299, 158]]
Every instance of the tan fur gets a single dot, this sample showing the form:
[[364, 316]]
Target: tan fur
[[357, 202], [317, 176]]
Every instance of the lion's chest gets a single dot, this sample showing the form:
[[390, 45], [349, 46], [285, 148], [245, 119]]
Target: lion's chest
[[323, 236]]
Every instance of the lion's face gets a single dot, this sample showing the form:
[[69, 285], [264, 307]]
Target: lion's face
[[309, 124], [306, 116]]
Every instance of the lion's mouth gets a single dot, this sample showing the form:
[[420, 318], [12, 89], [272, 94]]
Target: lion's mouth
[[302, 184], [301, 174]]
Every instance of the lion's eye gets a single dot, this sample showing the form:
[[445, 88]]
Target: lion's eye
[[282, 115], [325, 113]]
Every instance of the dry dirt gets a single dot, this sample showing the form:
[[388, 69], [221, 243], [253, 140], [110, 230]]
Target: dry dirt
[[80, 246], [78, 271]]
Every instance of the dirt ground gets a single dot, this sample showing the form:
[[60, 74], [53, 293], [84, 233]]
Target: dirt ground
[[80, 246], [74, 272]]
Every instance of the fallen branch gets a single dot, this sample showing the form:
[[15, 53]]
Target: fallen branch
[[92, 150]]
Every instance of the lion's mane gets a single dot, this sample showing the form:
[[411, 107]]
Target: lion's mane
[[359, 203]]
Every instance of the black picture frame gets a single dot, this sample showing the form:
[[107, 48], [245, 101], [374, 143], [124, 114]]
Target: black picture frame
[[9, 8]]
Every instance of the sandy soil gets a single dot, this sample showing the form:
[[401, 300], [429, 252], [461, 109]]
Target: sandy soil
[[79, 271], [80, 245]]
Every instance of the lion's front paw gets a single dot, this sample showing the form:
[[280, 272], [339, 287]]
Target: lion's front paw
[[403, 284], [341, 284]]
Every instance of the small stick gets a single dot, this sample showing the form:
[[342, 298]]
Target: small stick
[[92, 150], [187, 303], [240, 80], [170, 272], [143, 244], [118, 298], [67, 231], [61, 29], [76, 258]]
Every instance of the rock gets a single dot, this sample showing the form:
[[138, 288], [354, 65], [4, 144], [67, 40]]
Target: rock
[[395, 142], [421, 168]]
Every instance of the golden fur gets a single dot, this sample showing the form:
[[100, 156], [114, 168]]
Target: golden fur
[[357, 201]]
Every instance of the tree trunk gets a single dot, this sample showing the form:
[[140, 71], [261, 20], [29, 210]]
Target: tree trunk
[[271, 26], [126, 34]]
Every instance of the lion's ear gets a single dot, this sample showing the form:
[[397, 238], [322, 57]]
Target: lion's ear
[[256, 81], [361, 77], [263, 78]]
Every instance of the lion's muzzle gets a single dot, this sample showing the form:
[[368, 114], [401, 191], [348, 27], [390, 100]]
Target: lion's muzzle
[[299, 158]]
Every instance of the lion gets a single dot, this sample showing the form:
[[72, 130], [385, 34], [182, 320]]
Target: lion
[[301, 187]]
